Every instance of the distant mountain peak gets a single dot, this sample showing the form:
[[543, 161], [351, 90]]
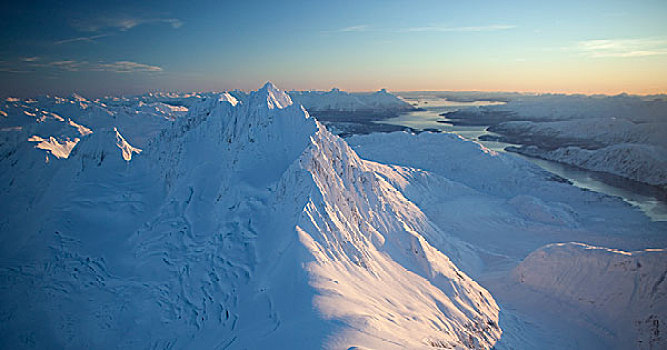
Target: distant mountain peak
[[337, 100], [272, 96], [270, 87]]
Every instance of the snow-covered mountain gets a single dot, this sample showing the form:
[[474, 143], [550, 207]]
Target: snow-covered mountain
[[637, 151], [588, 132], [639, 162], [241, 224], [341, 101], [621, 135], [554, 107]]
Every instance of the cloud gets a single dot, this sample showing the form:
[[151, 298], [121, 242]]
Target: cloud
[[115, 67], [438, 28], [126, 67], [14, 70], [357, 28], [121, 22], [72, 66], [113, 24], [432, 28], [622, 47], [22, 65], [35, 64], [90, 38], [174, 22]]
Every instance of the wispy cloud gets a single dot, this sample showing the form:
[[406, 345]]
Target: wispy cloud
[[357, 28], [90, 38], [108, 26], [430, 28], [121, 22], [20, 66], [622, 47], [116, 67], [125, 67], [174, 22], [39, 65], [13, 70], [72, 66], [440, 28]]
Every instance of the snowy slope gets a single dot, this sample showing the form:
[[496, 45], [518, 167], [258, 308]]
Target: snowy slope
[[337, 100], [626, 290], [506, 208], [453, 157], [243, 224], [375, 252], [507, 198]]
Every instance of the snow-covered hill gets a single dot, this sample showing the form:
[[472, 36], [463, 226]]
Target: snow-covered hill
[[626, 290], [242, 224], [455, 158]]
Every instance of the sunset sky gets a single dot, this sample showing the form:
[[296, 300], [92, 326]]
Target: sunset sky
[[126, 47]]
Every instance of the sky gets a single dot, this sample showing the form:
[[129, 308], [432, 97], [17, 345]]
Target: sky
[[129, 47]]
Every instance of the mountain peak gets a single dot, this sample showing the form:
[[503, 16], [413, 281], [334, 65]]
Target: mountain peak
[[272, 96], [269, 86]]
